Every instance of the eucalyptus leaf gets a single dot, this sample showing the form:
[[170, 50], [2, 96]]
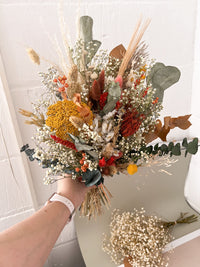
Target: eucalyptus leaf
[[114, 94], [185, 143], [192, 147], [165, 77], [109, 106], [155, 67], [162, 77], [91, 177], [149, 149], [170, 146], [74, 138], [164, 149], [90, 45], [114, 91], [93, 154], [176, 150], [155, 149], [82, 147], [86, 24], [68, 171]]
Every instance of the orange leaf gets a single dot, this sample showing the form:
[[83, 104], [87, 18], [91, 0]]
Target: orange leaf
[[118, 52], [153, 133], [169, 123], [150, 136], [163, 133], [182, 122], [159, 131]]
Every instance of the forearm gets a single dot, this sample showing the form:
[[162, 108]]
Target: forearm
[[30, 242]]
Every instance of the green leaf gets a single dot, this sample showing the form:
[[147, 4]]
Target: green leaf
[[164, 149], [192, 147], [86, 24], [155, 67], [165, 77], [114, 94], [156, 148], [162, 77], [79, 145], [185, 143], [170, 146], [90, 45], [91, 177], [93, 154], [114, 91], [176, 150], [149, 149]]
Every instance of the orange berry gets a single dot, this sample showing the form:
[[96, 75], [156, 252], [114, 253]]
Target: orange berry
[[81, 161], [85, 165], [83, 169], [83, 154], [62, 82], [61, 89], [64, 77], [77, 169], [59, 78], [55, 80], [66, 85]]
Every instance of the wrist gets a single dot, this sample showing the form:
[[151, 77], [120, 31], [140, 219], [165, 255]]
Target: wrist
[[68, 196], [55, 197]]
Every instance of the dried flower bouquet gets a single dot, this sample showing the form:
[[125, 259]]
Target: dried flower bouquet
[[99, 111]]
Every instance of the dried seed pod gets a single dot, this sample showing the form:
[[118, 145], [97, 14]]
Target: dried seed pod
[[33, 55]]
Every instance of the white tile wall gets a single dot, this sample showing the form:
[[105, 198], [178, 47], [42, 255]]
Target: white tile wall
[[26, 23]]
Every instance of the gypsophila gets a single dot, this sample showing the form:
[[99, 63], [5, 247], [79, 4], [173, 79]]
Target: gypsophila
[[137, 237]]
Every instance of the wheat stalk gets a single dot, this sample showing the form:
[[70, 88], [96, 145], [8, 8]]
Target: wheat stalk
[[136, 37]]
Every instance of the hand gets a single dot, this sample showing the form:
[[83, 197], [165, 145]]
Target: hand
[[72, 189]]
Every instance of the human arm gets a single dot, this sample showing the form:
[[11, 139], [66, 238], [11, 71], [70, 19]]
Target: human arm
[[29, 242]]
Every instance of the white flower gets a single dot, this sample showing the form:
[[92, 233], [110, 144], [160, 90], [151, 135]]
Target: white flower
[[109, 136], [104, 127], [93, 76], [131, 78], [109, 115], [109, 79]]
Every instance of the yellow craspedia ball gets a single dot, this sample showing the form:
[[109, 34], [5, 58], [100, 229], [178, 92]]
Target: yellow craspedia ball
[[132, 168]]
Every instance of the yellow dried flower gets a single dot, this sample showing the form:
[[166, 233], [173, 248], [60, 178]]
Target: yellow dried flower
[[59, 118], [132, 169]]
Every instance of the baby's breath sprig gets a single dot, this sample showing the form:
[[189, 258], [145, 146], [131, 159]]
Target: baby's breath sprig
[[139, 238]]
